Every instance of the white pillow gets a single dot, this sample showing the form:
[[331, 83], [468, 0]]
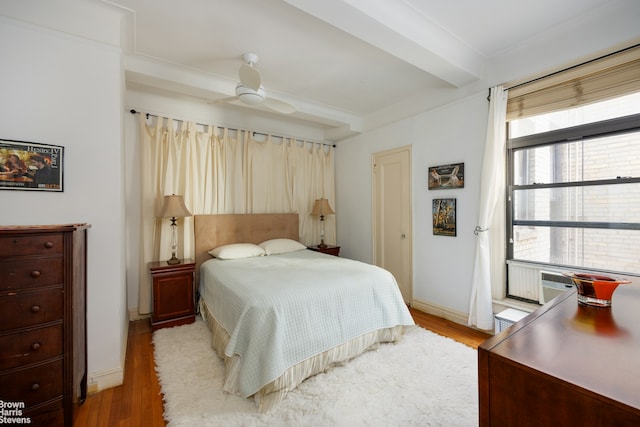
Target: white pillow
[[281, 246], [237, 251]]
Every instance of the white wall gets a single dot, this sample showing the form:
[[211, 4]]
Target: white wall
[[450, 134], [65, 90]]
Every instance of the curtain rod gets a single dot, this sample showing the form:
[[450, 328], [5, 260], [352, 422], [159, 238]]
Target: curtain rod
[[571, 67], [133, 111]]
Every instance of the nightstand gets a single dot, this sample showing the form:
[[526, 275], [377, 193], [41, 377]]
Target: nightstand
[[331, 250], [173, 293]]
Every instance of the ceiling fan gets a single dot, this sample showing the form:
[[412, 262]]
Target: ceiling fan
[[250, 90]]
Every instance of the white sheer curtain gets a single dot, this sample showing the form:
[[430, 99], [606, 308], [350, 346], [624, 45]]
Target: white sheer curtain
[[489, 261], [223, 171]]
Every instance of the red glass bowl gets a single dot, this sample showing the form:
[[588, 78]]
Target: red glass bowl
[[594, 289]]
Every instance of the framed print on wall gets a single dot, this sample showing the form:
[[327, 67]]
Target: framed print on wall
[[446, 176], [30, 166], [444, 217]]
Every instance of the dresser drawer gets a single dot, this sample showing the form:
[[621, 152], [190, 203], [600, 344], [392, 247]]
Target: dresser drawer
[[31, 245], [22, 309], [31, 273], [28, 347], [50, 414], [33, 385]]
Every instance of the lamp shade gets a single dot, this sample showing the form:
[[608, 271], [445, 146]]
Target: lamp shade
[[321, 207], [173, 207]]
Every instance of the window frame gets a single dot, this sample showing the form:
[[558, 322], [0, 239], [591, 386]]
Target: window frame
[[611, 127]]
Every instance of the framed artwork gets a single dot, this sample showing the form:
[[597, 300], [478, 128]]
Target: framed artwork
[[30, 166], [446, 176], [444, 217]]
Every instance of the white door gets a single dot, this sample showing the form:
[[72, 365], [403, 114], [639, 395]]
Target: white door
[[392, 223]]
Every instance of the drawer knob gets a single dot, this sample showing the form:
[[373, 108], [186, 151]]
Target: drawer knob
[[48, 245], [35, 346], [35, 386], [35, 274], [35, 309]]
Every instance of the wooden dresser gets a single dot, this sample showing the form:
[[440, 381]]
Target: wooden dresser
[[43, 353], [565, 365]]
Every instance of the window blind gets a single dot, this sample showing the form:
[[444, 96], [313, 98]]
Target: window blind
[[607, 77]]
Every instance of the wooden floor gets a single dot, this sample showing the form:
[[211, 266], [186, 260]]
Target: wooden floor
[[138, 401]]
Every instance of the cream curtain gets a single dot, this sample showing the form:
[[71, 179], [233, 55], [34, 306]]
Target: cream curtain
[[222, 171], [490, 253]]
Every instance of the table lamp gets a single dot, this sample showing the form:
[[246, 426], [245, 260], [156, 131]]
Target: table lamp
[[174, 208], [322, 208]]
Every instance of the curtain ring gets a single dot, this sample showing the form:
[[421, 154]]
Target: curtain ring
[[479, 230]]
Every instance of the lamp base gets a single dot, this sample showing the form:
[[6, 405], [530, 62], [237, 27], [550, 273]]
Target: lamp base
[[173, 260], [322, 246]]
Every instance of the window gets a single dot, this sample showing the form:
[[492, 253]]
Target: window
[[573, 185]]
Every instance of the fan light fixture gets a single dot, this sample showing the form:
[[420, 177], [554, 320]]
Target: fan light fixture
[[248, 95], [250, 90]]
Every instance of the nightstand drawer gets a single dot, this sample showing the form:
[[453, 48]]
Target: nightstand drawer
[[33, 346], [30, 308], [33, 385], [31, 245], [31, 273]]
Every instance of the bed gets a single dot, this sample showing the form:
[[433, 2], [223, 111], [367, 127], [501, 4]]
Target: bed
[[280, 318]]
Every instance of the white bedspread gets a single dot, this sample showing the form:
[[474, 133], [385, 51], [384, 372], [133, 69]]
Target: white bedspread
[[282, 309]]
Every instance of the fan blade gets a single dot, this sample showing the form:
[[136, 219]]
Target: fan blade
[[249, 76], [279, 106], [223, 100]]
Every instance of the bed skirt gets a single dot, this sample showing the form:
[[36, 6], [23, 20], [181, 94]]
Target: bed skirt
[[272, 393]]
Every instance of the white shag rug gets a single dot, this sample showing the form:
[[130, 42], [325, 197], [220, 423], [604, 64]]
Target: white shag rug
[[422, 380]]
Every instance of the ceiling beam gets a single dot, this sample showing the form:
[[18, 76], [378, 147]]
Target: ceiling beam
[[400, 30]]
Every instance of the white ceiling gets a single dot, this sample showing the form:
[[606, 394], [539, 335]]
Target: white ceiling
[[337, 61]]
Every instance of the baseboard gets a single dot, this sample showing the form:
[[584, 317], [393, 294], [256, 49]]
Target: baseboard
[[444, 312], [99, 381], [134, 315]]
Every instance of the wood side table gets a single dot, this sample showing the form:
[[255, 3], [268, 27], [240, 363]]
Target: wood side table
[[330, 249], [173, 293]]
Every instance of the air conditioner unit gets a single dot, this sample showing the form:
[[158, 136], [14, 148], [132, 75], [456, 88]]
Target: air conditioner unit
[[552, 284]]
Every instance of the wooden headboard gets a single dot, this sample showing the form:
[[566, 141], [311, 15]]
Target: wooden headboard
[[211, 231]]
